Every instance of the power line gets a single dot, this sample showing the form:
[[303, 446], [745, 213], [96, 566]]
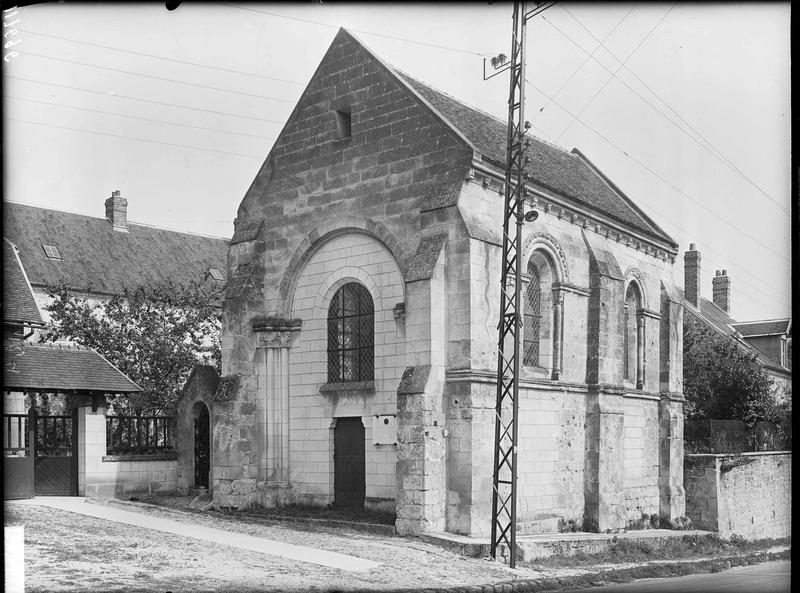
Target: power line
[[658, 212], [75, 88], [194, 84], [635, 92], [613, 74], [582, 64], [160, 121], [157, 57], [719, 154], [676, 188], [130, 138], [414, 41]]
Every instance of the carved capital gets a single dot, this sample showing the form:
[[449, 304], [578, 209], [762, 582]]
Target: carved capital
[[278, 338]]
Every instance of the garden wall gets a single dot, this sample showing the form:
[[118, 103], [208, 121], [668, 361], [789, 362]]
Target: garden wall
[[113, 475], [748, 494]]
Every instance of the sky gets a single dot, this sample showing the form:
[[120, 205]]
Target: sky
[[685, 107]]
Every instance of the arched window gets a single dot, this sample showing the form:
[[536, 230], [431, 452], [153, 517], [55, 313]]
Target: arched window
[[351, 335], [633, 340], [537, 334]]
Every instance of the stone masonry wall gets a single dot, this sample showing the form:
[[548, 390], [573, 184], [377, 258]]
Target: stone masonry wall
[[641, 459], [313, 188], [749, 495], [346, 258]]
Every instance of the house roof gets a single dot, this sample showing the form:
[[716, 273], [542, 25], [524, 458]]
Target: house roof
[[772, 327], [716, 319], [96, 258], [60, 367], [19, 306], [570, 175]]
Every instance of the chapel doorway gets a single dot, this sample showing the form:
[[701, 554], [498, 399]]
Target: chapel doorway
[[349, 483], [202, 449]]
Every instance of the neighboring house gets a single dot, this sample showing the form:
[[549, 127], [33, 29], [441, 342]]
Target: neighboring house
[[66, 451], [95, 258], [769, 341], [361, 311], [102, 257]]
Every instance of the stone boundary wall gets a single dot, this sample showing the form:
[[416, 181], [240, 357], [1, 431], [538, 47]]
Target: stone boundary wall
[[113, 475], [115, 478], [749, 494]]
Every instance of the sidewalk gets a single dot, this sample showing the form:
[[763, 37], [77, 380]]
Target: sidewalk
[[79, 505]]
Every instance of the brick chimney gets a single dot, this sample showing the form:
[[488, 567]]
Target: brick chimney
[[691, 275], [721, 284], [117, 211]]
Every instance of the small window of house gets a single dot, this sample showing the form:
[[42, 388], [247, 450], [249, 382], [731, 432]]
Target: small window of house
[[51, 252], [343, 127]]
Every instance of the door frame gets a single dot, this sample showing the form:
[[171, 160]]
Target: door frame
[[358, 422]]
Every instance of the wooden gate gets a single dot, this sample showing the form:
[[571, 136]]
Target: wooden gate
[[202, 449], [349, 485], [56, 459], [18, 440]]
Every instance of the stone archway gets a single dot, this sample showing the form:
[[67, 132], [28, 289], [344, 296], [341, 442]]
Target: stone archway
[[195, 405]]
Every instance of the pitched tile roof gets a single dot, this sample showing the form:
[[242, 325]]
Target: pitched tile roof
[[774, 327], [19, 305], [716, 319], [568, 174], [96, 258], [60, 367]]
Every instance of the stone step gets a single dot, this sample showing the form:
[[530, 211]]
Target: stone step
[[549, 545]]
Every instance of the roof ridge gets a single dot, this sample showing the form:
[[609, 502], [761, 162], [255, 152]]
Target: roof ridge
[[140, 224], [786, 319]]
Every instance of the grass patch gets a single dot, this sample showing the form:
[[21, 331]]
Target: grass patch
[[632, 550]]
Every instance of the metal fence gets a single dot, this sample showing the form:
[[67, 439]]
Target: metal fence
[[139, 435], [730, 436]]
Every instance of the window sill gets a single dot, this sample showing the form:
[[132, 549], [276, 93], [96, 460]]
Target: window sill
[[351, 387], [165, 456]]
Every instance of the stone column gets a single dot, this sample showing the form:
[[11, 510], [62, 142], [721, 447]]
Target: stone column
[[421, 441], [276, 338], [672, 498], [603, 486], [558, 333], [640, 350]]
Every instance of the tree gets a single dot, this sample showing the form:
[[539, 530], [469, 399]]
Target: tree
[[722, 380], [154, 334]]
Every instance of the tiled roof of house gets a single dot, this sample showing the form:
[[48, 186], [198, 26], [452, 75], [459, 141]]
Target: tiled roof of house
[[19, 306], [96, 258], [716, 319], [773, 327], [568, 174], [60, 367]]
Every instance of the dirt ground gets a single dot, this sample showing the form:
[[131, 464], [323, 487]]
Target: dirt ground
[[69, 552]]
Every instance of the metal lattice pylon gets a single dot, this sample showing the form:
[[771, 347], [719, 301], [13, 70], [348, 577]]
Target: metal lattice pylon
[[504, 493]]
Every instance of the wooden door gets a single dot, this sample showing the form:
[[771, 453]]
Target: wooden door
[[56, 458], [349, 466]]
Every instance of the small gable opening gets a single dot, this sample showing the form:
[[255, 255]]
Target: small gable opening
[[343, 124]]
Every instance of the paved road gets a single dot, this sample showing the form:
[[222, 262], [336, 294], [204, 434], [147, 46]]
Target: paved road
[[767, 577]]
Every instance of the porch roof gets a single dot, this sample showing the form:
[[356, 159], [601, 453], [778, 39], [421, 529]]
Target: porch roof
[[62, 368]]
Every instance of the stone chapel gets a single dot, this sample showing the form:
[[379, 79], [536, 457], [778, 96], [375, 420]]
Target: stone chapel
[[361, 310]]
